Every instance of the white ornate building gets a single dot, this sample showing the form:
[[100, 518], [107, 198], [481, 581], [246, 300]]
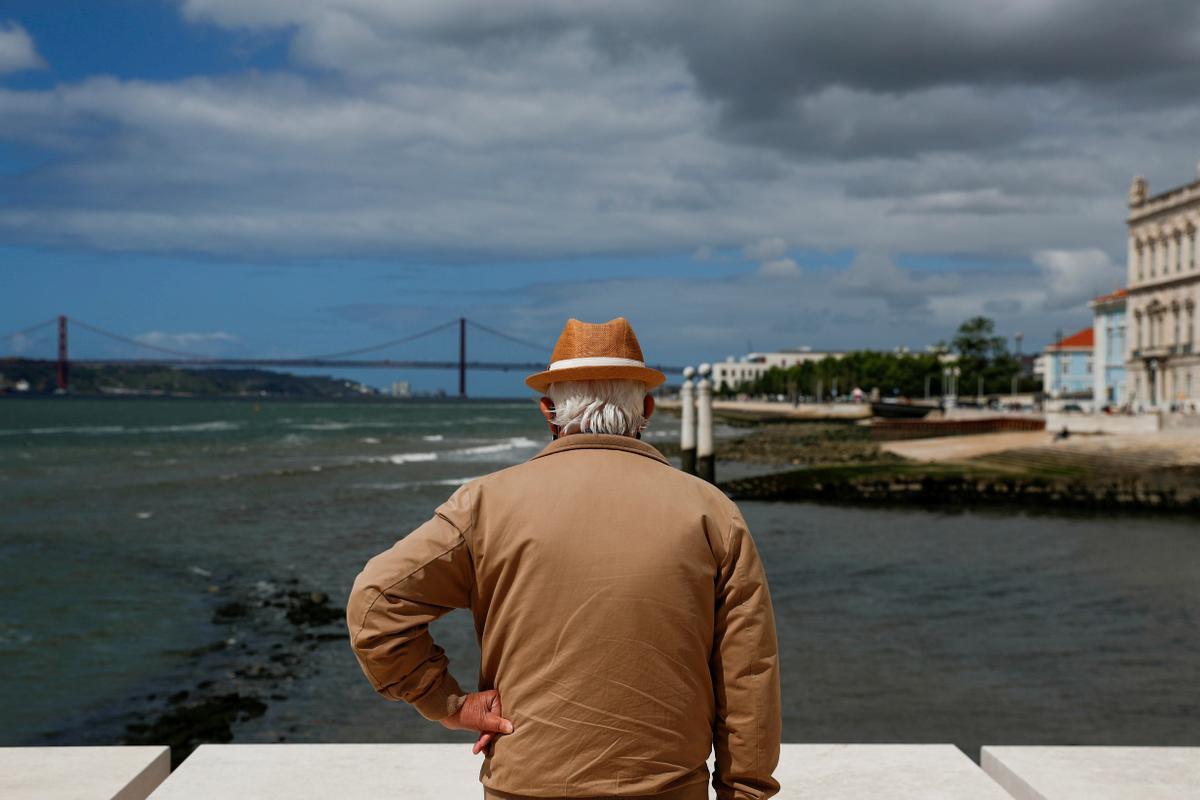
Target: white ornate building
[[1164, 289], [752, 366]]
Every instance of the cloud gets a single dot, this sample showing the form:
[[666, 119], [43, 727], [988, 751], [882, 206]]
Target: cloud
[[765, 249], [202, 343], [18, 343], [1072, 277], [844, 77], [875, 275], [874, 304], [1002, 305], [488, 132], [17, 51], [988, 200], [779, 268]]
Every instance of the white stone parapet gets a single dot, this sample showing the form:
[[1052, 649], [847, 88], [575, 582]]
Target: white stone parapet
[[1104, 423], [450, 771], [881, 772], [75, 773], [1095, 773]]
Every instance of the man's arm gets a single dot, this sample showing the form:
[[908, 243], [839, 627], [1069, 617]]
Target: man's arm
[[395, 597], [745, 669]]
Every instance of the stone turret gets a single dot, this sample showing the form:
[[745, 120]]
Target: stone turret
[[1138, 191]]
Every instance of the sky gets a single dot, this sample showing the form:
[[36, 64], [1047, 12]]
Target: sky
[[259, 178]]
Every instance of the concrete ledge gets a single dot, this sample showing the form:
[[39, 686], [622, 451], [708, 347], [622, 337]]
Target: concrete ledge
[[449, 771], [882, 772], [82, 773], [1095, 773], [1103, 423], [324, 771]]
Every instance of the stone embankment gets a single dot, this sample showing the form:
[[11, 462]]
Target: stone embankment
[[761, 411], [1032, 469]]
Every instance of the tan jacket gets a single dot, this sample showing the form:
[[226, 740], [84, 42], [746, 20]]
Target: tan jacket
[[622, 613]]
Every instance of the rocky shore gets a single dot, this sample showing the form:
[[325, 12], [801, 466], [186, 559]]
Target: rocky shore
[[964, 485], [267, 628]]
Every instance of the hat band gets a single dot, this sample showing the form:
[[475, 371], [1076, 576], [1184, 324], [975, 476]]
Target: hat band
[[596, 361]]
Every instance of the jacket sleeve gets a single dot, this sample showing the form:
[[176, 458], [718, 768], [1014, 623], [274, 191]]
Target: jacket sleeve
[[398, 593], [745, 670]]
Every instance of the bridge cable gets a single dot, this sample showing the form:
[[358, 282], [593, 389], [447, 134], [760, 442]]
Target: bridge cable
[[24, 331], [539, 347], [393, 342], [148, 346]]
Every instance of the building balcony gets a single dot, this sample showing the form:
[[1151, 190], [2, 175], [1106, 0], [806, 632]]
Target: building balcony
[[1155, 351]]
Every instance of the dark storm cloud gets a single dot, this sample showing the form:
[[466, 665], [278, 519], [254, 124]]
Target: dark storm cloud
[[474, 130], [838, 78], [755, 57]]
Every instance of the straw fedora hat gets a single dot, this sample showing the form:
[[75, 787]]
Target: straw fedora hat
[[587, 351]]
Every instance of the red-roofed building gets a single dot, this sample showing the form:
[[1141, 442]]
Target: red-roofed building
[[1067, 366], [1082, 339]]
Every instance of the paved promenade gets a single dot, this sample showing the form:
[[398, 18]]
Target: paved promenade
[[1120, 452]]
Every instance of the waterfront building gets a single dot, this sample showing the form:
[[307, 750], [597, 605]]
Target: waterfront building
[[733, 372], [1109, 352], [401, 389], [1067, 367], [1163, 365]]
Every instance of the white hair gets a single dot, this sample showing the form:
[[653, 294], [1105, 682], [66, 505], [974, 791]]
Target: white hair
[[599, 406]]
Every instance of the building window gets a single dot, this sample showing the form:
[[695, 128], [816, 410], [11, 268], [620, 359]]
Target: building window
[[1153, 256], [1177, 340], [1089, 366]]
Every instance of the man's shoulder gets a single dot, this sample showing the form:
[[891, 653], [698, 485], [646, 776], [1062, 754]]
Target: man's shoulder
[[668, 479]]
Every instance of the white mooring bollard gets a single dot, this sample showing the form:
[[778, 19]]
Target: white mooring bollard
[[705, 466], [687, 429]]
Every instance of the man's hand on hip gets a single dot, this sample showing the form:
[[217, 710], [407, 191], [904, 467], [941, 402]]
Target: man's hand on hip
[[480, 712]]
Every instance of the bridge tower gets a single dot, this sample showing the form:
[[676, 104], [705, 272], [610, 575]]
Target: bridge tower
[[462, 358], [62, 353]]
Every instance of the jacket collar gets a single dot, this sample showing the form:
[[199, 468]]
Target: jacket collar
[[602, 441]]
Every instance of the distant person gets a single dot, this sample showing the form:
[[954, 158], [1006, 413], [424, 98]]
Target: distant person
[[621, 608]]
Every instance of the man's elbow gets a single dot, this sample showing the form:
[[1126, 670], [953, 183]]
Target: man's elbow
[[358, 606]]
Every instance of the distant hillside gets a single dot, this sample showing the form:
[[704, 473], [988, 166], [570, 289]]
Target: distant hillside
[[42, 377]]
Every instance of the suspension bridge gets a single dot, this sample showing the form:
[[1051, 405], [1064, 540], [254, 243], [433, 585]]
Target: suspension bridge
[[352, 359]]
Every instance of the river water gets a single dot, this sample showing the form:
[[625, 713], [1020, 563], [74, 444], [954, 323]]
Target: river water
[[126, 522]]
